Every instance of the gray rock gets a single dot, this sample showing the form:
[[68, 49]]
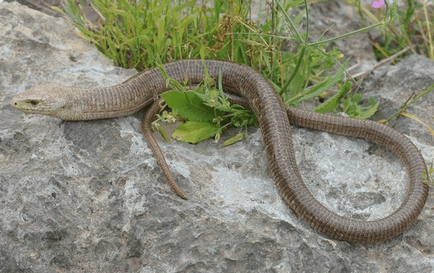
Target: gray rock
[[393, 86], [41, 5], [89, 197], [339, 18]]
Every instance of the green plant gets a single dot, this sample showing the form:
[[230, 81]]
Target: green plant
[[352, 107], [207, 110], [143, 34], [429, 175], [412, 28]]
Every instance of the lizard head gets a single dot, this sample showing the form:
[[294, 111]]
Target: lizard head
[[44, 99]]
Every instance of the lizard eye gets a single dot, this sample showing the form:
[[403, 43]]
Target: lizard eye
[[33, 102]]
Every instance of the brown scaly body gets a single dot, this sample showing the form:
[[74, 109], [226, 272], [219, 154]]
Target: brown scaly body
[[71, 103]]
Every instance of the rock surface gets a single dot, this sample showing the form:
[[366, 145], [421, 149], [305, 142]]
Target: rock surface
[[89, 197]]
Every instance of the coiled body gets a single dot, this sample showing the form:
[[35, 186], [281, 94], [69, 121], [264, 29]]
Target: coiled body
[[274, 120]]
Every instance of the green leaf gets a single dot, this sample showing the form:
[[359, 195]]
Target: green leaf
[[319, 88], [234, 139], [161, 130], [332, 103], [352, 109], [161, 34], [189, 105], [369, 111], [195, 131]]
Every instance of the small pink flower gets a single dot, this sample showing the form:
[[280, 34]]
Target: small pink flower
[[378, 4]]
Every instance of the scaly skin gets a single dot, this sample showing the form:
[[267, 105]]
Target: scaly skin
[[71, 103]]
